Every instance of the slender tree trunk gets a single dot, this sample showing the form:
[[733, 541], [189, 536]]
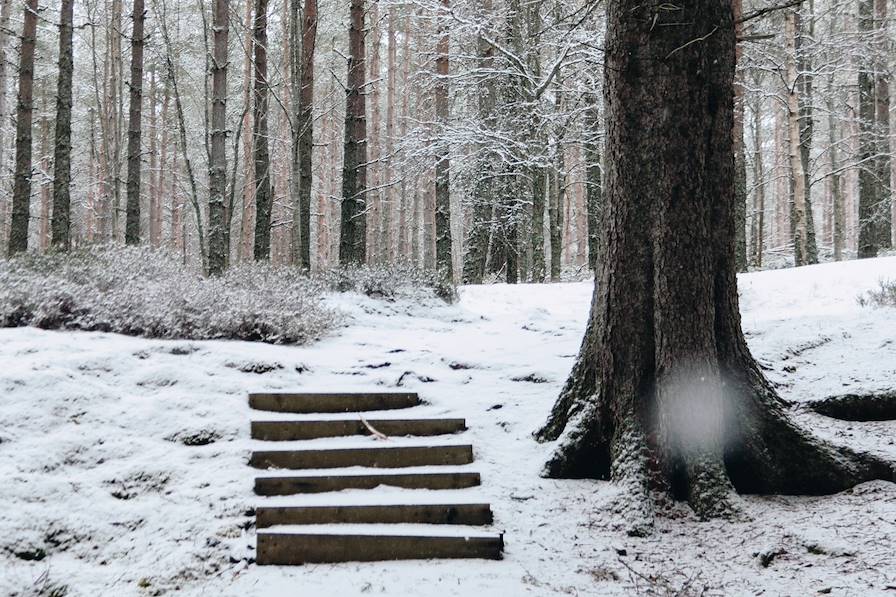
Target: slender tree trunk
[[62, 155], [155, 173], [664, 343], [740, 163], [483, 199], [558, 189], [353, 223], [444, 260], [758, 236], [163, 162], [387, 249], [882, 163], [374, 196], [836, 188], [46, 183], [304, 34], [404, 241], [135, 128], [306, 126], [593, 185], [805, 33], [116, 115], [5, 15], [263, 197], [21, 196], [217, 169], [797, 176], [869, 197]]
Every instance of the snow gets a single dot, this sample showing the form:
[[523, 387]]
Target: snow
[[97, 475]]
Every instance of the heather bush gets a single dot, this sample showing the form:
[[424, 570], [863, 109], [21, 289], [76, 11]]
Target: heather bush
[[392, 281], [882, 296], [142, 292]]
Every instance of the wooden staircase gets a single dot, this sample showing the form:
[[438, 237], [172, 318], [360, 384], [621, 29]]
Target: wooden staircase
[[419, 525]]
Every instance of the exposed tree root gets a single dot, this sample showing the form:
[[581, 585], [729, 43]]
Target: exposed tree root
[[857, 407], [766, 452]]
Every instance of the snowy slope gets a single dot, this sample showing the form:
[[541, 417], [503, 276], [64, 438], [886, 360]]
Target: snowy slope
[[99, 477]]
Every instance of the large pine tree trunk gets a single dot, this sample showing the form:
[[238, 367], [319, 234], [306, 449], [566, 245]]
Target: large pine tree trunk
[[135, 129], [21, 195], [217, 168], [353, 225], [62, 155], [263, 198], [665, 396]]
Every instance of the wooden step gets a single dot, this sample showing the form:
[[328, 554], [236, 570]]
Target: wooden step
[[467, 514], [332, 403], [325, 483], [396, 457], [288, 549], [300, 430]]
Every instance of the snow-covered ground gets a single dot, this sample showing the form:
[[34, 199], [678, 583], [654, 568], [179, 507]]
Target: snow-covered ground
[[105, 491]]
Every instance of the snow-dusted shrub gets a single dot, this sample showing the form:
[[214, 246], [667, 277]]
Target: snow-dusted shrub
[[883, 296], [142, 292], [395, 280]]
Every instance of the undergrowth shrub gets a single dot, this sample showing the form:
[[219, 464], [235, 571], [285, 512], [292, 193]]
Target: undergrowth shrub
[[883, 296], [143, 292], [392, 281]]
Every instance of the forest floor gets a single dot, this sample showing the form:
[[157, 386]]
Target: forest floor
[[123, 460]]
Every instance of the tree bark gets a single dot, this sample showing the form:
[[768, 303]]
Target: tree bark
[[882, 163], [374, 196], [483, 199], [353, 224], [21, 195], [5, 35], [387, 212], [263, 198], [665, 397], [758, 236], [303, 134], [740, 163], [805, 32], [869, 197], [444, 260], [836, 188], [135, 129], [62, 155], [799, 192], [217, 168], [593, 185]]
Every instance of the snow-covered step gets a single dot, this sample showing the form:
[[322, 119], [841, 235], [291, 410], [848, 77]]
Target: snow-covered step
[[269, 486], [367, 543], [466, 514], [376, 457], [304, 430], [332, 403]]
